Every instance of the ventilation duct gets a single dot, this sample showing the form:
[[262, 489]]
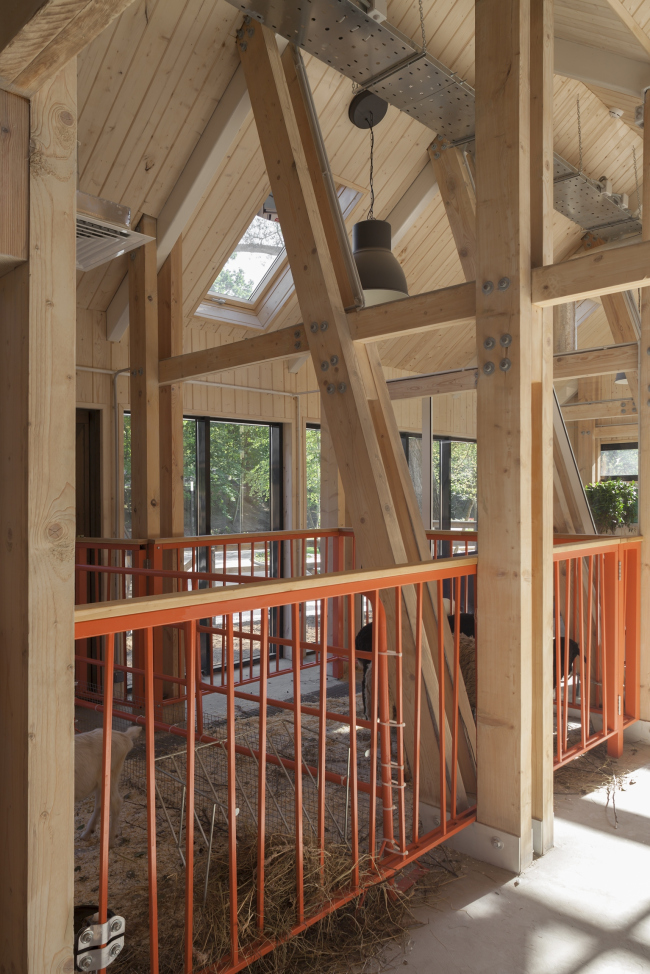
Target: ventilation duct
[[103, 231]]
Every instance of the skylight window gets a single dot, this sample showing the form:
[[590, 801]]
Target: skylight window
[[259, 252]]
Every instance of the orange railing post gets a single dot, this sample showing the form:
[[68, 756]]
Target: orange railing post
[[614, 658]]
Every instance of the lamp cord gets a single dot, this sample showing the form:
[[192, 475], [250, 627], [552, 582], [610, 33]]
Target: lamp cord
[[424, 36], [371, 213]]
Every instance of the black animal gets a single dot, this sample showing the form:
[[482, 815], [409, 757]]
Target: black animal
[[467, 623], [363, 644], [574, 653]]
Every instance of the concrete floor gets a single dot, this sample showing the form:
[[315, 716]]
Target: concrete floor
[[584, 908]]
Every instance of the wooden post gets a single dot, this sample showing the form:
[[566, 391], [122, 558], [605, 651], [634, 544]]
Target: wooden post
[[541, 204], [565, 332], [459, 198], [503, 308], [644, 441], [145, 445], [170, 342], [37, 524]]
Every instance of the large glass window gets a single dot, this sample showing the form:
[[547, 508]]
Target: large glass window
[[312, 467], [257, 255], [232, 476], [453, 479], [619, 461]]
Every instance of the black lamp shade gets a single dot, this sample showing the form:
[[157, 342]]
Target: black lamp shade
[[379, 269], [621, 379]]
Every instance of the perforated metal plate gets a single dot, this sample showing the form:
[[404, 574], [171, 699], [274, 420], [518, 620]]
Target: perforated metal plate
[[375, 56], [426, 90], [380, 58], [581, 200]]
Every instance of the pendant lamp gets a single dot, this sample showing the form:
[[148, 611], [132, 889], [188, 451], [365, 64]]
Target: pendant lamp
[[621, 379], [380, 273]]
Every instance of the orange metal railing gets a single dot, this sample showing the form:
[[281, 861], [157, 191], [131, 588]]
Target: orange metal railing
[[383, 809], [596, 643]]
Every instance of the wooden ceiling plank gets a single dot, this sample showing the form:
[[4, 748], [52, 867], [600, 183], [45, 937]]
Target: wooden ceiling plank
[[622, 317], [626, 18]]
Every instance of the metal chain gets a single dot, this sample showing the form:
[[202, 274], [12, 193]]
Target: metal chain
[[579, 136], [424, 36], [636, 180], [371, 214]]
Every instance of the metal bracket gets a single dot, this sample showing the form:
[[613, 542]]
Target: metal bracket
[[90, 955]]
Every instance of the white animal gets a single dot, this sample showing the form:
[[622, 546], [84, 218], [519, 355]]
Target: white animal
[[88, 753]]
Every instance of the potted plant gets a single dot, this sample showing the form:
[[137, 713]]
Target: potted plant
[[614, 505]]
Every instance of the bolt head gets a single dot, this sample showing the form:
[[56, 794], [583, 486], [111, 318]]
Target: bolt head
[[504, 284], [505, 341], [314, 326], [487, 287], [342, 387], [436, 155], [115, 949], [496, 842], [86, 937], [331, 388], [116, 925], [296, 334], [489, 343], [488, 368], [85, 963], [505, 364], [334, 360], [296, 344], [324, 326], [324, 366], [243, 46]]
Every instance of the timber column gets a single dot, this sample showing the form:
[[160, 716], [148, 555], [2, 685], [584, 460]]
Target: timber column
[[38, 151], [503, 332], [644, 439]]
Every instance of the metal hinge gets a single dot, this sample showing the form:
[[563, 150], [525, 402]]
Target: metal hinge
[[90, 955], [620, 570]]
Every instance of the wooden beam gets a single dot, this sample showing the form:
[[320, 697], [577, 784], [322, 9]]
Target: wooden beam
[[627, 431], [596, 361], [38, 37], [644, 442], [435, 384], [542, 447], [597, 273], [14, 179], [603, 409], [37, 523], [145, 426], [571, 511], [284, 343], [422, 312], [609, 70], [459, 200], [170, 343], [368, 494], [503, 421], [623, 319]]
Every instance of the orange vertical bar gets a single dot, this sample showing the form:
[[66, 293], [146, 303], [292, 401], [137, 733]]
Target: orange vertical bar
[[632, 577], [417, 705], [441, 711], [372, 819], [297, 741], [586, 687], [379, 623], [614, 662], [190, 656], [352, 694], [558, 666], [232, 789], [150, 756], [261, 770], [106, 778], [399, 719], [565, 655], [456, 677], [322, 739]]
